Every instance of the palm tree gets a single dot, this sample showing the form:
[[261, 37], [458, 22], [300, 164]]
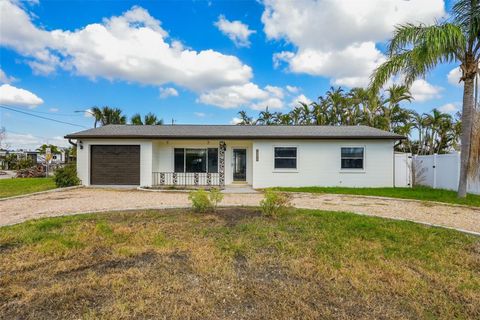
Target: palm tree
[[107, 115], [265, 117], [244, 118], [415, 50], [149, 119]]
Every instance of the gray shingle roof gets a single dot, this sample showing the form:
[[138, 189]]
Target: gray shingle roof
[[234, 132]]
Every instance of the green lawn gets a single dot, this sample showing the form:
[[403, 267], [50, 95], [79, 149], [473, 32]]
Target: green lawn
[[418, 193], [18, 186], [236, 264]]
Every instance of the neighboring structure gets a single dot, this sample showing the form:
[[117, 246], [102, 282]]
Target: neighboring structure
[[261, 156]]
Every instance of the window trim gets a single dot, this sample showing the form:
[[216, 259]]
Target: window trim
[[354, 170], [197, 148], [296, 158]]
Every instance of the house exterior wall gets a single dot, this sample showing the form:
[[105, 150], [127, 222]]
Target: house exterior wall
[[319, 164], [318, 161], [163, 154], [146, 155]]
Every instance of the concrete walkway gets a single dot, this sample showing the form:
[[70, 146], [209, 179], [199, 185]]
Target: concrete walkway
[[84, 200]]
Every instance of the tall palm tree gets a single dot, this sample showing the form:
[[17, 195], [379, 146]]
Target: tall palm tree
[[265, 117], [415, 50], [149, 119], [244, 118], [107, 115]]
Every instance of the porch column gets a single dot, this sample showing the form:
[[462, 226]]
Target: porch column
[[221, 164]]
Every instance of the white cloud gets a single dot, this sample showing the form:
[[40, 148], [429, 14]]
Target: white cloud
[[454, 76], [301, 98], [337, 39], [235, 120], [13, 96], [248, 95], [53, 109], [450, 108], [168, 92], [236, 31], [31, 142], [131, 47], [4, 78], [421, 90], [200, 114], [292, 89]]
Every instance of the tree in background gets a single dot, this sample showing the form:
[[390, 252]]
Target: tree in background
[[149, 119], [43, 148], [415, 50], [107, 115], [427, 133]]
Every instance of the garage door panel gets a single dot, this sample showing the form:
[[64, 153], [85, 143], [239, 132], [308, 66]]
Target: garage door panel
[[115, 165]]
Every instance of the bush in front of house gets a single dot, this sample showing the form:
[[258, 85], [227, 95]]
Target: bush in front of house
[[274, 203], [203, 201], [66, 176]]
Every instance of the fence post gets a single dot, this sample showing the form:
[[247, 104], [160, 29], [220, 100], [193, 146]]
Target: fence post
[[434, 171]]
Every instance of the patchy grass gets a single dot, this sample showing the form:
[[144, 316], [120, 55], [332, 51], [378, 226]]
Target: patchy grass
[[417, 193], [236, 264], [19, 186]]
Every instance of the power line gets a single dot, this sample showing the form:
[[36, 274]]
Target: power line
[[42, 117]]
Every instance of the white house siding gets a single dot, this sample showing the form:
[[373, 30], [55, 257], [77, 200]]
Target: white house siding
[[319, 164], [163, 154], [83, 157]]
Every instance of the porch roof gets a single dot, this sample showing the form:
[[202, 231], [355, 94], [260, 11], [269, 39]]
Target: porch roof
[[233, 132]]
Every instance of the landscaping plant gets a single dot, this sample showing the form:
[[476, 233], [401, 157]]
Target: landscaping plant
[[66, 176], [203, 201], [274, 203]]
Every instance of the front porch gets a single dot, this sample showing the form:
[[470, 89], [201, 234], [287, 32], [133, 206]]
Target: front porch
[[187, 164]]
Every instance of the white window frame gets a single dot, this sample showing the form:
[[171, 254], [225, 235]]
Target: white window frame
[[285, 169], [354, 170]]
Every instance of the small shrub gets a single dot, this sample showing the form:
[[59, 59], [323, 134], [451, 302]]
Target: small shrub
[[66, 176], [216, 196], [274, 203], [200, 200], [203, 201]]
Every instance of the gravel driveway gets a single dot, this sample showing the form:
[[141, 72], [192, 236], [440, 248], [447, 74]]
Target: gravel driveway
[[89, 200]]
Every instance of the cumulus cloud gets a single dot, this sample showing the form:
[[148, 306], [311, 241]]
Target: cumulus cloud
[[13, 96], [168, 92], [346, 50], [200, 114], [421, 90], [301, 99], [450, 108], [53, 110], [131, 47], [235, 120], [292, 89], [454, 76], [4, 78], [31, 142], [236, 31], [247, 95]]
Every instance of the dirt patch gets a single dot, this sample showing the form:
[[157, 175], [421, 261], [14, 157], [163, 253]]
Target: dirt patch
[[233, 216]]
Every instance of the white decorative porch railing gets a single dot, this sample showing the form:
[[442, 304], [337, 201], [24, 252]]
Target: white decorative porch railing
[[199, 179]]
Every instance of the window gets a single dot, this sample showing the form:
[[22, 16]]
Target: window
[[179, 160], [196, 160], [285, 157], [352, 157]]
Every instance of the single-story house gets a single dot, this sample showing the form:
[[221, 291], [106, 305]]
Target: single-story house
[[220, 155]]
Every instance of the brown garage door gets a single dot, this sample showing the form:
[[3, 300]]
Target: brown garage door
[[115, 165]]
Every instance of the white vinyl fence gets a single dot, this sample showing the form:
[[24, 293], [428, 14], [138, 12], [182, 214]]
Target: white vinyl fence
[[403, 170], [440, 171]]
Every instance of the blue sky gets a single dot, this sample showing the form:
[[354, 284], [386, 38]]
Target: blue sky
[[209, 58]]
